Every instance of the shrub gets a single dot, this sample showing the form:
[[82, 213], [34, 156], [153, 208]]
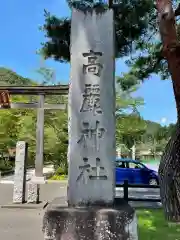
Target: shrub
[[60, 171], [58, 177], [5, 166]]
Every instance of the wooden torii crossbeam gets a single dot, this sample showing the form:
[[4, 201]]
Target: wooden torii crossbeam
[[6, 91], [36, 90], [41, 91]]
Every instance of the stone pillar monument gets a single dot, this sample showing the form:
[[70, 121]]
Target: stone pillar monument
[[20, 172], [92, 117], [91, 212]]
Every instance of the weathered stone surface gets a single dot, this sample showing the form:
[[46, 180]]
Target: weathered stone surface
[[90, 223], [33, 192], [91, 152], [20, 173]]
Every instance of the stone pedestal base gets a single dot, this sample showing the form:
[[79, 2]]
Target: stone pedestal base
[[90, 223]]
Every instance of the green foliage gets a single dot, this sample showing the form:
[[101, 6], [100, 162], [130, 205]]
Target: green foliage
[[58, 177], [155, 137], [129, 129], [150, 60], [127, 82], [60, 171], [129, 126], [134, 20], [5, 165]]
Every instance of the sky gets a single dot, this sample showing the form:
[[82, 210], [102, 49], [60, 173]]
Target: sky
[[21, 38]]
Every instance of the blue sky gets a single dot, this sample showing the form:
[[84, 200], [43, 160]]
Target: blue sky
[[21, 38]]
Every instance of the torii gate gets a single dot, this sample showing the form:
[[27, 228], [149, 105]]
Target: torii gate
[[41, 91]]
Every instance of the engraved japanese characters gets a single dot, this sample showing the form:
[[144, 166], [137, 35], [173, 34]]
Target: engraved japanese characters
[[91, 103], [91, 99], [93, 173], [94, 134], [93, 66]]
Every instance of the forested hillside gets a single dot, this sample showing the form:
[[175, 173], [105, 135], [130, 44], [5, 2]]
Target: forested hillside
[[8, 77]]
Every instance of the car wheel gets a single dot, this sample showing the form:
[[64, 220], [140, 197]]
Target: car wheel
[[153, 181]]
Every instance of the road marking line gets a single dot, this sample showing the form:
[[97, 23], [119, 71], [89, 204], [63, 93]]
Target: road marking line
[[7, 182]]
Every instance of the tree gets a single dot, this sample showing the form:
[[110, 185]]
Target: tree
[[129, 129], [155, 138], [129, 124], [162, 56], [134, 20], [169, 169]]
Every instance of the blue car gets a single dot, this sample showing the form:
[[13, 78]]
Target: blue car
[[135, 172]]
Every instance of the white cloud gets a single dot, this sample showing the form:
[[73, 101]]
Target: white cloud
[[163, 120]]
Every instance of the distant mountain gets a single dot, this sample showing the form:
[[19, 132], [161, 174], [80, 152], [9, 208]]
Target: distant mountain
[[8, 77]]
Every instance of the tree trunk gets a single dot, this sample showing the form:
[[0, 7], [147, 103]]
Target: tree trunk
[[169, 174], [169, 169]]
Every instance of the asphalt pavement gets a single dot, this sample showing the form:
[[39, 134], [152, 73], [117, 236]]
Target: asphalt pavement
[[20, 224]]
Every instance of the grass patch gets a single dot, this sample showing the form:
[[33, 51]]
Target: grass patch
[[153, 226]]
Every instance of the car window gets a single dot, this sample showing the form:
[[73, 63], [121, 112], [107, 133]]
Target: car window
[[135, 165], [121, 164]]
